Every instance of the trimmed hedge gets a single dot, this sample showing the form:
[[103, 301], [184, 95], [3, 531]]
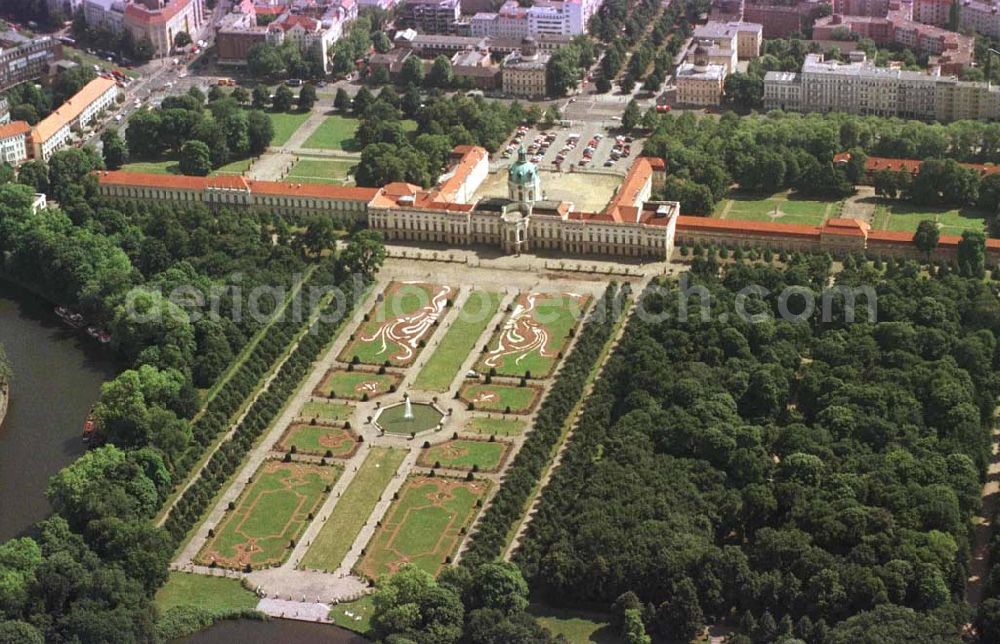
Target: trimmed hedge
[[490, 537], [192, 504]]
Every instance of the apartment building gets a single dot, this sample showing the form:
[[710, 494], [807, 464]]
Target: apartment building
[[160, 21], [24, 59], [862, 88], [524, 71], [951, 51], [743, 38], [53, 132], [932, 12], [554, 17], [980, 17], [700, 82], [4, 111], [14, 142], [306, 31], [430, 16], [107, 14]]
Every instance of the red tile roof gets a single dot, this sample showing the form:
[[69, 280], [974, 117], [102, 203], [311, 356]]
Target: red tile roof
[[874, 164], [846, 226], [14, 128], [268, 188], [628, 193], [685, 222]]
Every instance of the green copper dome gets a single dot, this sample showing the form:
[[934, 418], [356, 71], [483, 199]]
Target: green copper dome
[[522, 172]]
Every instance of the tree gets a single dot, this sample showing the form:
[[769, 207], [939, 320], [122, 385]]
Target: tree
[[319, 235], [500, 586], [260, 131], [342, 101], [362, 100], [440, 74], [631, 116], [182, 39], [987, 620], [381, 42], [34, 173], [364, 253], [744, 92], [264, 61], [283, 98], [926, 237], [411, 606], [562, 71], [114, 150], [972, 254], [413, 71], [307, 98], [240, 95], [680, 617], [195, 159], [261, 97], [634, 631]]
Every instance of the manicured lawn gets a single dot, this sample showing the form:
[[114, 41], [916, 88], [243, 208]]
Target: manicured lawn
[[335, 133], [353, 508], [576, 626], [423, 526], [285, 125], [214, 594], [505, 398], [271, 512], [393, 419], [321, 171], [465, 455], [905, 217], [328, 411], [495, 425], [531, 338], [318, 439], [355, 616], [790, 209], [89, 61], [355, 385], [396, 327], [169, 165], [459, 341]]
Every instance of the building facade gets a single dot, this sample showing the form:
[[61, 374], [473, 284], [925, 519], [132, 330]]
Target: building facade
[[430, 16], [554, 17], [27, 60], [53, 132], [524, 71], [700, 82], [160, 21], [14, 142], [863, 88]]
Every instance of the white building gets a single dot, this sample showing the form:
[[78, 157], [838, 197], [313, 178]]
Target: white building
[[862, 88], [53, 132], [700, 82], [305, 31], [560, 17], [160, 21], [743, 38], [109, 14], [14, 142]]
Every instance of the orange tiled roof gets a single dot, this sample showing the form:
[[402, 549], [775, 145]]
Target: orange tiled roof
[[71, 109], [470, 156], [14, 128], [269, 188], [846, 226], [685, 222], [874, 164], [629, 191]]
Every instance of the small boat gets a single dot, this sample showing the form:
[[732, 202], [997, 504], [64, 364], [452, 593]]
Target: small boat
[[74, 320], [89, 427]]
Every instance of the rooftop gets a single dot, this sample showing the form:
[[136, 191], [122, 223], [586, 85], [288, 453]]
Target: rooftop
[[72, 108], [14, 128]]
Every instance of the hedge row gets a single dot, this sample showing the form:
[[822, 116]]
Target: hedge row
[[490, 537], [244, 381], [192, 504]]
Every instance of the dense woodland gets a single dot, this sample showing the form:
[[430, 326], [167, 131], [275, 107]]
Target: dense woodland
[[802, 479], [91, 570], [202, 136], [766, 154]]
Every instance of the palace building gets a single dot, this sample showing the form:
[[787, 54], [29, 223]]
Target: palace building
[[631, 225]]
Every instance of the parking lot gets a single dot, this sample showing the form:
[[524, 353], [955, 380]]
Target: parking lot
[[581, 145]]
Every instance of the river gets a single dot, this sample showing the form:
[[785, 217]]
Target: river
[[247, 631], [57, 378]]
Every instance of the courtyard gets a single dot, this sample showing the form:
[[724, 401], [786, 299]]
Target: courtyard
[[589, 192]]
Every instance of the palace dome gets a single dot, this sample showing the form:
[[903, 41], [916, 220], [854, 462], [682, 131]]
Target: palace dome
[[522, 172]]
